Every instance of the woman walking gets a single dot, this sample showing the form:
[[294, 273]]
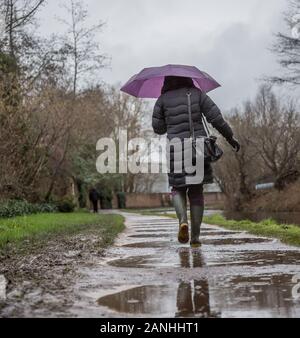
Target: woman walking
[[172, 116]]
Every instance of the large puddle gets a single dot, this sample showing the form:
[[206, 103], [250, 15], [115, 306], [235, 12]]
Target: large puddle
[[184, 300], [234, 274], [263, 296], [187, 259]]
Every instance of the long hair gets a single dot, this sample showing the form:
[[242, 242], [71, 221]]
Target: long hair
[[176, 82]]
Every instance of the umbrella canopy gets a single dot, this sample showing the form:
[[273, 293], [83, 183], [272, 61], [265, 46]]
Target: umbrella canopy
[[149, 82]]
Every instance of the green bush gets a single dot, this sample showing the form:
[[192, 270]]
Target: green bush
[[13, 208], [106, 197], [121, 200], [66, 205]]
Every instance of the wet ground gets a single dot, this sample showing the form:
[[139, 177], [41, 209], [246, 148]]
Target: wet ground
[[148, 274], [234, 274]]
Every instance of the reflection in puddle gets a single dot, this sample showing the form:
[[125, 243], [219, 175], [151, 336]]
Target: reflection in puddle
[[205, 241], [141, 300], [186, 259], [184, 300], [193, 296], [143, 262], [234, 275], [187, 299], [262, 295], [259, 296], [252, 296], [193, 300], [191, 259], [230, 258], [257, 258]]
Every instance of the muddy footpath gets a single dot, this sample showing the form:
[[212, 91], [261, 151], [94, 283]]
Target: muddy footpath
[[146, 273]]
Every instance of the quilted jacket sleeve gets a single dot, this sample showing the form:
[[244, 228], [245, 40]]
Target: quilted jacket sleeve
[[214, 116], [158, 119]]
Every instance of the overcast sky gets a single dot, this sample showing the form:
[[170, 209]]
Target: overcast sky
[[228, 39]]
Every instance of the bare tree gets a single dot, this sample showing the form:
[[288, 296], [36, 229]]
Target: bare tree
[[287, 47], [237, 173], [18, 14], [35, 59], [276, 133], [84, 52], [269, 132], [83, 58], [45, 140], [126, 113]]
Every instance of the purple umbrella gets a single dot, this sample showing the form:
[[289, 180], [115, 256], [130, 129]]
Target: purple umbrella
[[149, 82]]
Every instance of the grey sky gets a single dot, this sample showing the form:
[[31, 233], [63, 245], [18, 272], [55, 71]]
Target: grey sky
[[228, 39]]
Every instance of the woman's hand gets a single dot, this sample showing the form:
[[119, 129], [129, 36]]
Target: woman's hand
[[235, 144]]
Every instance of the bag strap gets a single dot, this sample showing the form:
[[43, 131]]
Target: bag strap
[[192, 129], [205, 125]]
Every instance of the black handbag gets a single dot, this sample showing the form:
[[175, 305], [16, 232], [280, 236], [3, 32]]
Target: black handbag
[[212, 152]]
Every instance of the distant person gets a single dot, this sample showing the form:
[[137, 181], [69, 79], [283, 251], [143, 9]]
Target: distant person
[[171, 116], [94, 198]]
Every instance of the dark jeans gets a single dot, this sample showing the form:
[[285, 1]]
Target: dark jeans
[[195, 194]]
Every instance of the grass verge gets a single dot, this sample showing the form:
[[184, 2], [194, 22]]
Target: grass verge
[[287, 233], [16, 231]]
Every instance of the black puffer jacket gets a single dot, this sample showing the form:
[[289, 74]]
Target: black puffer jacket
[[171, 116]]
